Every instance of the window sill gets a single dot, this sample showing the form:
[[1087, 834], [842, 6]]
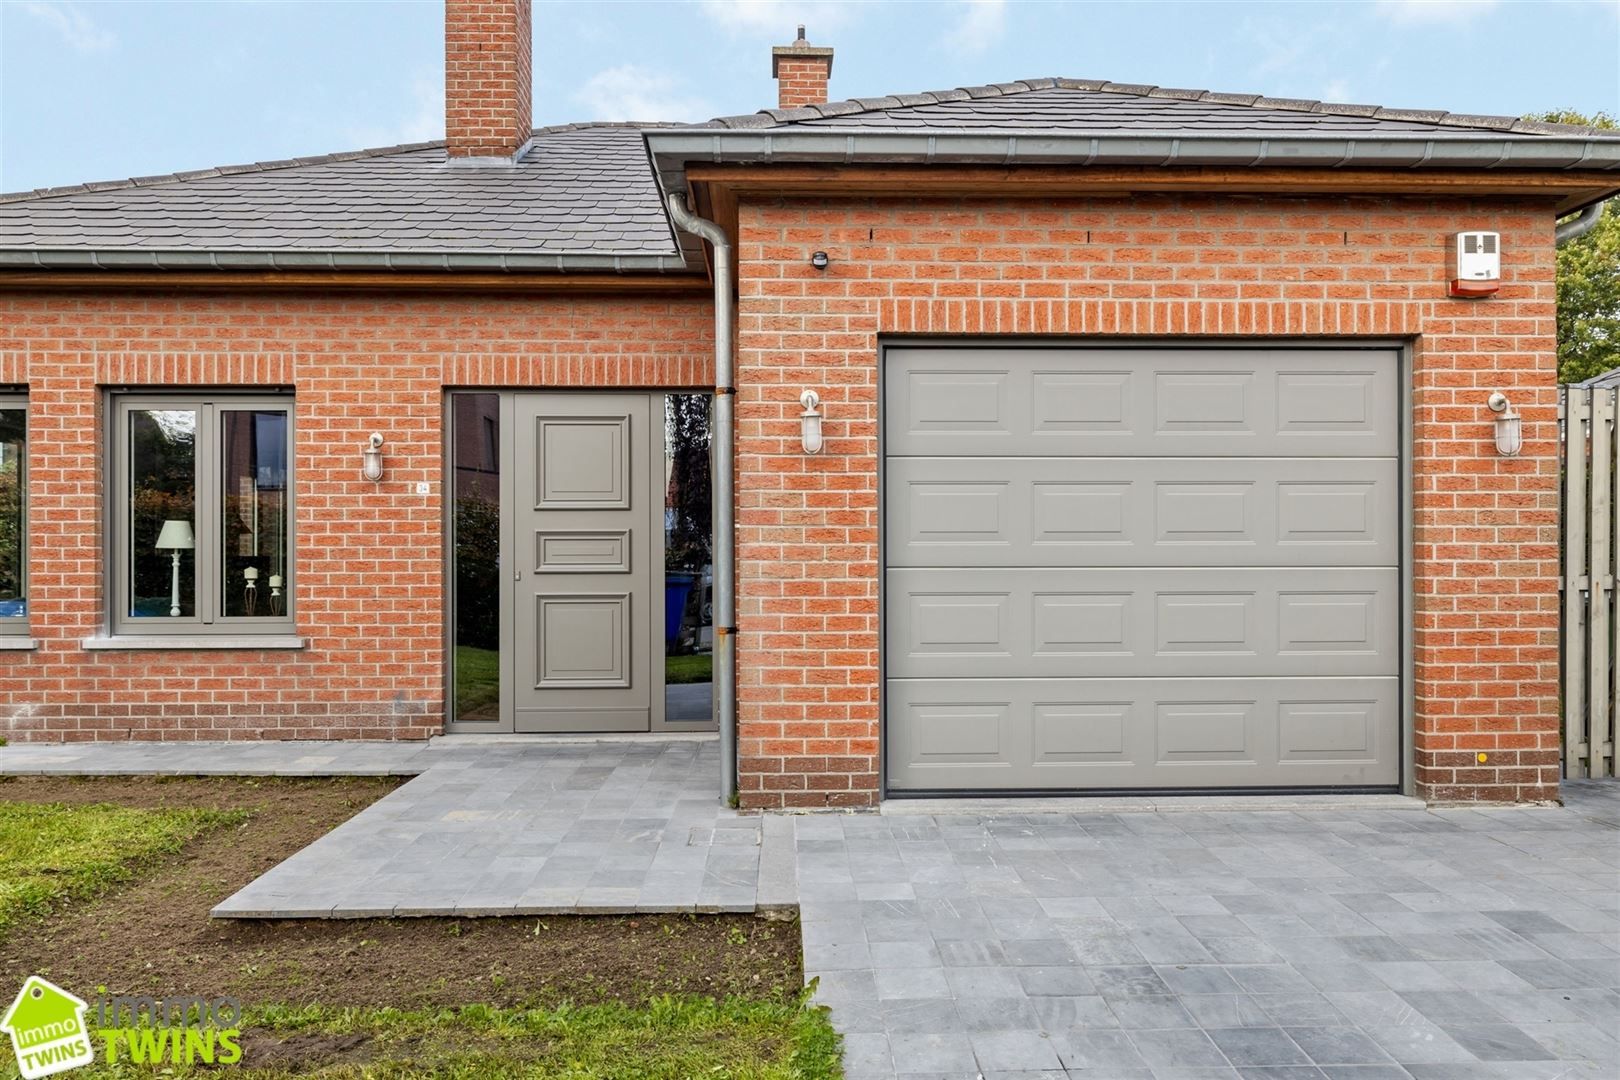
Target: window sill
[[16, 642], [200, 641]]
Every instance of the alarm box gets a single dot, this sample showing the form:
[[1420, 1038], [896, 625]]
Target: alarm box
[[1476, 264]]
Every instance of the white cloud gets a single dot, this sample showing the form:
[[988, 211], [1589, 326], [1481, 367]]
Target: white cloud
[[1433, 11], [778, 19], [633, 92], [420, 120], [980, 24], [1337, 90], [78, 30]]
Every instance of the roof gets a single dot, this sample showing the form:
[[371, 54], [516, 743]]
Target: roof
[[581, 197], [587, 197], [1603, 381], [1094, 122], [1098, 106]]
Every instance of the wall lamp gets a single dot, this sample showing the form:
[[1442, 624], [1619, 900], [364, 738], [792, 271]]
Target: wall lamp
[[371, 458], [1509, 428], [810, 421], [819, 260]]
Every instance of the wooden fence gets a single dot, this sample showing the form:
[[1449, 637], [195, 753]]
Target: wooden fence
[[1590, 656]]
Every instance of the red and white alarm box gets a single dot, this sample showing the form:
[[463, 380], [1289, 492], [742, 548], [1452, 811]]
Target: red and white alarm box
[[1476, 264]]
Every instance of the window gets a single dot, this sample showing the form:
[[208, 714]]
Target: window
[[13, 514], [202, 515]]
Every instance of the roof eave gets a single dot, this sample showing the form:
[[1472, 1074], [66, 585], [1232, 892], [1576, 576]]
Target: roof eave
[[672, 149], [409, 261]]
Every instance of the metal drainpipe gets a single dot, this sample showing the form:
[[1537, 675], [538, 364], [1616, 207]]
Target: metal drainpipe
[[725, 571], [1579, 225]]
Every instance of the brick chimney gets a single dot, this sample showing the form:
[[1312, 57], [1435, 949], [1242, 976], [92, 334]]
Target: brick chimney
[[488, 77], [801, 71]]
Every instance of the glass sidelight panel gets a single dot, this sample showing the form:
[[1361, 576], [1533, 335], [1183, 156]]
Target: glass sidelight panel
[[254, 532], [162, 456], [475, 457], [688, 561], [13, 516]]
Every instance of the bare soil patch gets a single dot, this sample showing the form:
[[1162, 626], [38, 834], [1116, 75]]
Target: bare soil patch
[[154, 936]]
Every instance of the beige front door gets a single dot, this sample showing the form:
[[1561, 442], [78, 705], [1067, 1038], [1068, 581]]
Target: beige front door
[[587, 577]]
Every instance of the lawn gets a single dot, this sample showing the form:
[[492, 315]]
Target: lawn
[[478, 678], [634, 997], [666, 1039], [699, 667], [478, 683], [52, 854]]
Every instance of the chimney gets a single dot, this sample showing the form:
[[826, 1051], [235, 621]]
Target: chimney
[[488, 90], [801, 71]]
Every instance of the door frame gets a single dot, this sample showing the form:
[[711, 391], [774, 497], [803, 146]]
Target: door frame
[[1406, 692], [506, 458]]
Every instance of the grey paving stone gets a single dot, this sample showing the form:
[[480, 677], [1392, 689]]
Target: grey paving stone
[[1338, 1046], [1256, 1046], [1177, 1048], [1497, 1042]]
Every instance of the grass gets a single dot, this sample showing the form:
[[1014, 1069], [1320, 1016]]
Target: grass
[[53, 853], [699, 667], [666, 1039], [478, 676], [478, 679]]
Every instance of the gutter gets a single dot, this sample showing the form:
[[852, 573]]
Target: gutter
[[725, 570], [304, 259], [672, 148], [1579, 225]]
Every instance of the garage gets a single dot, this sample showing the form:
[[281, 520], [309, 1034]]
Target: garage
[[1123, 569]]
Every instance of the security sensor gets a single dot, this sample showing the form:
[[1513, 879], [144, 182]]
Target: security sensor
[[1476, 264]]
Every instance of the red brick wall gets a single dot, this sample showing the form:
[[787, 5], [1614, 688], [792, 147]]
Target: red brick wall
[[488, 77], [369, 556], [1156, 266], [802, 81]]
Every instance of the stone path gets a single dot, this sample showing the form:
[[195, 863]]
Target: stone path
[[1118, 941], [1356, 945], [526, 829], [281, 758]]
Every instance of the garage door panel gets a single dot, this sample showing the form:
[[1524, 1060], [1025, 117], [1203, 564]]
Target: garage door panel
[[1226, 402], [1135, 621], [1141, 512], [1111, 568], [1143, 733]]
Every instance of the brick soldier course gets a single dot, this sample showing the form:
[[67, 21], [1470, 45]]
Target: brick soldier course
[[585, 285]]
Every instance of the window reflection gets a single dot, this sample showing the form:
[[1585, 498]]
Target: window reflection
[[475, 463], [688, 569], [13, 512], [254, 534], [163, 495]]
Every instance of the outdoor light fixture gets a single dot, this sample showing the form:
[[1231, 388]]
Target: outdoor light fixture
[[810, 421], [371, 458], [175, 536], [819, 260], [1509, 428]]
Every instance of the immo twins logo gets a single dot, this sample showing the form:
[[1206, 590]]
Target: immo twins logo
[[49, 1034]]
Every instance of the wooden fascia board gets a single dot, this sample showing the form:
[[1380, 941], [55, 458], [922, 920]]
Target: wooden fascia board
[[1569, 188]]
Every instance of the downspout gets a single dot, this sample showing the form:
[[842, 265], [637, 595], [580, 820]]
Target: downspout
[[1579, 225], [725, 570]]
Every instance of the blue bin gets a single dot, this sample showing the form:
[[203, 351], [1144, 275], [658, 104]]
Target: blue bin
[[677, 587]]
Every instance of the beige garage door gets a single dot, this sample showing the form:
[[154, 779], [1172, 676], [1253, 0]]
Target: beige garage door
[[1119, 569]]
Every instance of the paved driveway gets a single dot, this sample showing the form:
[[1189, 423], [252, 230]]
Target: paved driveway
[[1345, 943], [1375, 945]]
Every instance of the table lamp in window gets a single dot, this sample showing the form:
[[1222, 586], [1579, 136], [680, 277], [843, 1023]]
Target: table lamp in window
[[175, 537]]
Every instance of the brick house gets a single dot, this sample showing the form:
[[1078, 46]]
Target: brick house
[[1154, 443]]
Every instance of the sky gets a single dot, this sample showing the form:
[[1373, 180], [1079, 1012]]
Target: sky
[[97, 91]]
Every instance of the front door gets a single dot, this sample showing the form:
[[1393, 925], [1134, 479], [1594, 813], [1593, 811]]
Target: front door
[[587, 607]]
